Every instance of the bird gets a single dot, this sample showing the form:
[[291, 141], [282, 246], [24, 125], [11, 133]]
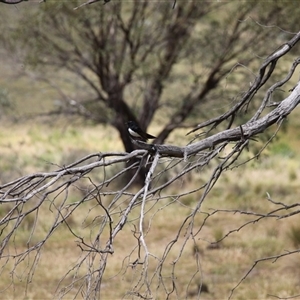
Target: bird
[[137, 133]]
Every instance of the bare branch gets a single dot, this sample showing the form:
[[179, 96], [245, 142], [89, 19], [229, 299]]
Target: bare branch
[[91, 2], [12, 1], [260, 80], [272, 258]]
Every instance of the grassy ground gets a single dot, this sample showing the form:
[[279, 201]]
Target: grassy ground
[[26, 149]]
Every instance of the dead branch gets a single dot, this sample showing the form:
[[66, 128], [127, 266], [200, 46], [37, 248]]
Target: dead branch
[[12, 1], [91, 2], [249, 130], [26, 195], [265, 72]]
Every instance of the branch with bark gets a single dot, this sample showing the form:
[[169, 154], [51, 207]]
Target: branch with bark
[[12, 1], [28, 195]]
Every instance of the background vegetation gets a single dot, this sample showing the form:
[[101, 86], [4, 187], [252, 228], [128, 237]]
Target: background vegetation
[[224, 249]]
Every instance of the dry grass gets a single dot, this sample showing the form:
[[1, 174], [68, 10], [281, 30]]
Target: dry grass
[[37, 147]]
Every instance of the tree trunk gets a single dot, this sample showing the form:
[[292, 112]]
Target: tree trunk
[[123, 116]]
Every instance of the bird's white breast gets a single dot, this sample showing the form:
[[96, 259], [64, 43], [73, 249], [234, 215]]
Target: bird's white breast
[[133, 133]]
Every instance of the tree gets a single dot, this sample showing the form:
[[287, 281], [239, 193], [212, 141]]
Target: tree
[[121, 59], [124, 57], [26, 196]]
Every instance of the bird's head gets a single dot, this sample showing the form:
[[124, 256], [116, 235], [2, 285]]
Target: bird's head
[[130, 123]]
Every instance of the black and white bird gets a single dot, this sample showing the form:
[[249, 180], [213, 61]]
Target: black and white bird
[[137, 133]]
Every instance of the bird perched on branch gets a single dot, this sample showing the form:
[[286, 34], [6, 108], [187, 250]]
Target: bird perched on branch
[[137, 133]]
